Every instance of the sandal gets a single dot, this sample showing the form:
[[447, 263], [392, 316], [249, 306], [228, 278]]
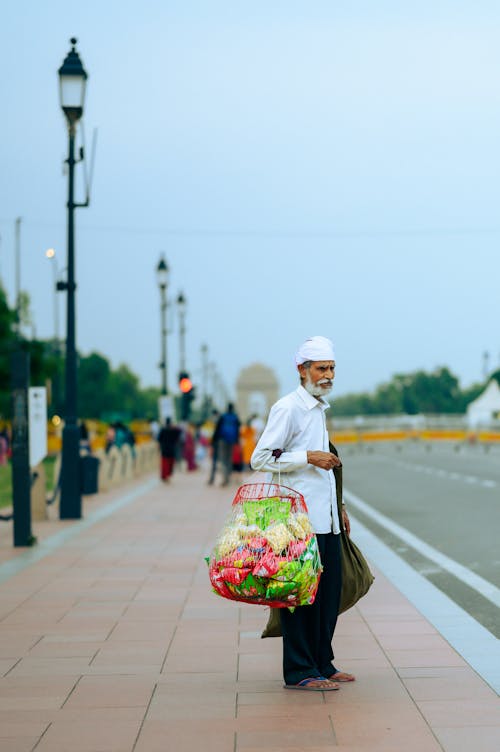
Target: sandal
[[340, 676], [314, 684]]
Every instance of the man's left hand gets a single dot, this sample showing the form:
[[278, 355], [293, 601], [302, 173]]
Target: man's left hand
[[346, 521]]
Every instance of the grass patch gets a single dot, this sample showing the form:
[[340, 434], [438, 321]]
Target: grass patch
[[6, 480]]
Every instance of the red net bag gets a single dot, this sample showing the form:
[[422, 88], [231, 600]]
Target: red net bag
[[267, 552]]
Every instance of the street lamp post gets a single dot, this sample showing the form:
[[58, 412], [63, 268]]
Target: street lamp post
[[204, 377], [162, 278], [18, 276], [56, 382], [181, 308], [72, 79], [51, 255]]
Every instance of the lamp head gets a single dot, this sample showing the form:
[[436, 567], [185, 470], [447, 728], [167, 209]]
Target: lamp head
[[72, 80], [181, 303], [162, 273]]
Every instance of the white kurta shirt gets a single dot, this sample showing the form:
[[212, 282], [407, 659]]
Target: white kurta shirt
[[296, 425]]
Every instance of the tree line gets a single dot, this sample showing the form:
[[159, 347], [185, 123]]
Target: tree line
[[104, 392], [438, 392], [109, 394]]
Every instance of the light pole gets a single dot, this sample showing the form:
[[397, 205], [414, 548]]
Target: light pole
[[181, 308], [162, 274], [51, 255], [18, 275], [204, 377], [72, 79]]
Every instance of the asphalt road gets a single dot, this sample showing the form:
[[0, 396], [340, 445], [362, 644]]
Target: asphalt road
[[447, 495]]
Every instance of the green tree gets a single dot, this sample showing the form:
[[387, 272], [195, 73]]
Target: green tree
[[94, 372], [470, 394], [7, 340], [496, 375], [124, 392], [389, 398], [412, 393], [148, 402], [353, 404]]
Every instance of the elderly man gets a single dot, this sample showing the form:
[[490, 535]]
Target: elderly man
[[295, 442]]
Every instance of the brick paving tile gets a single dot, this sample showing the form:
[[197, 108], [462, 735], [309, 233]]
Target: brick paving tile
[[13, 728], [443, 656], [465, 739], [35, 693], [30, 667], [105, 736], [112, 692], [458, 687], [7, 664], [19, 744], [279, 697], [286, 738], [478, 711], [382, 628], [389, 727], [179, 736], [13, 644], [125, 631], [213, 660], [115, 639]]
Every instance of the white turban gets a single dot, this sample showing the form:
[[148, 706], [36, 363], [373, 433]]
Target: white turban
[[315, 348]]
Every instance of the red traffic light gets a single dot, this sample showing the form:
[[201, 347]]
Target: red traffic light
[[185, 385]]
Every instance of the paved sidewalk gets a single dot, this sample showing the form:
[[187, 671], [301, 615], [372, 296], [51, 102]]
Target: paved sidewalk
[[111, 641]]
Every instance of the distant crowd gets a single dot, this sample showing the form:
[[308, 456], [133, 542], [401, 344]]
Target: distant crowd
[[222, 444]]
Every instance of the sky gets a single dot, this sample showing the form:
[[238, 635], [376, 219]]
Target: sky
[[306, 168]]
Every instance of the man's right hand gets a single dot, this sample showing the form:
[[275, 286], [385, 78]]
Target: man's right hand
[[324, 460]]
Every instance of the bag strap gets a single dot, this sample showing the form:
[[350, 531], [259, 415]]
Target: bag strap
[[337, 473], [276, 453]]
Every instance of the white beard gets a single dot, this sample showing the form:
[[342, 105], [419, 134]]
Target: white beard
[[317, 390]]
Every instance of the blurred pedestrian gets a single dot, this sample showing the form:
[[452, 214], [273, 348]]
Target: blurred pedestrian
[[237, 460], [4, 446], [211, 427], [130, 440], [202, 444], [110, 438], [121, 434], [248, 442], [258, 425], [84, 437], [154, 428], [227, 434], [168, 439], [189, 448]]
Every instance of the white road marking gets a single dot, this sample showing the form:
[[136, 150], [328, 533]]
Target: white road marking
[[440, 473], [475, 581], [478, 646], [488, 483]]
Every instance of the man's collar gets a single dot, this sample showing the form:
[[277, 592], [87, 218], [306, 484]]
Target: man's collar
[[311, 401]]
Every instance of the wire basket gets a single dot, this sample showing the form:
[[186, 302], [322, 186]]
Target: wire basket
[[267, 552]]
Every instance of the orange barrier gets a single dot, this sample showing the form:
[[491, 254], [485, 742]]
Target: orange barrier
[[352, 437], [488, 436], [446, 435]]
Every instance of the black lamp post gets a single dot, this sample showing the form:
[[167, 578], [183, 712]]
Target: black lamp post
[[181, 308], [72, 79], [204, 379], [51, 254], [162, 278]]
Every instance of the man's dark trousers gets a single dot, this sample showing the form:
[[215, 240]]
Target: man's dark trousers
[[308, 631]]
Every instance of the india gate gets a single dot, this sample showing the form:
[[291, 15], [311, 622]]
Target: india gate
[[257, 388]]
